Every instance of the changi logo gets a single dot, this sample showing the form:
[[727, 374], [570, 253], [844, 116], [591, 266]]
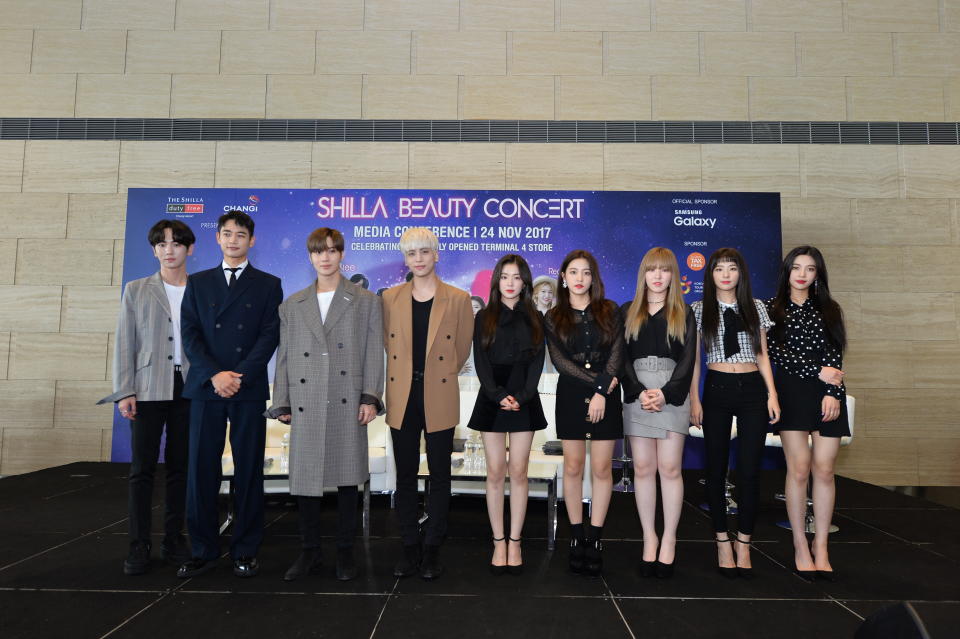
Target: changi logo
[[685, 285], [690, 216], [246, 208], [696, 261], [184, 208]]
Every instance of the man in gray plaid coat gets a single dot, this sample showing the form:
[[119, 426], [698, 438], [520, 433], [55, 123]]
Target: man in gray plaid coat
[[328, 386]]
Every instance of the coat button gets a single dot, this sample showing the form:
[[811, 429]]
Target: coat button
[[448, 337], [343, 372], [394, 357], [343, 401], [391, 379], [169, 339], [169, 356], [300, 409], [248, 305], [239, 327], [340, 345], [216, 326], [444, 380], [441, 358], [239, 349], [391, 334], [169, 319], [306, 354]]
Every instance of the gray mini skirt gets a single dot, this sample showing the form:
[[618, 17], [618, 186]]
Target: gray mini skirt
[[654, 372]]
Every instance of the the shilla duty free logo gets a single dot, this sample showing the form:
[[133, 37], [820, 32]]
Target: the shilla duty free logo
[[184, 208]]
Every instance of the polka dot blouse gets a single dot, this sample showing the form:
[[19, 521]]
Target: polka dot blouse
[[805, 348]]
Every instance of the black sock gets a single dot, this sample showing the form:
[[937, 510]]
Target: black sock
[[576, 531], [594, 532]]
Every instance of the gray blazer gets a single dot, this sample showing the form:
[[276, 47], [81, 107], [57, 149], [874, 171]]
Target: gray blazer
[[143, 348], [323, 370]]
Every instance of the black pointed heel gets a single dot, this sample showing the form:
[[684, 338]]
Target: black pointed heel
[[515, 570], [729, 573], [496, 570]]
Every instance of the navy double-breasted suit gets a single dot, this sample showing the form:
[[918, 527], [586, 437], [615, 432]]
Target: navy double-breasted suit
[[237, 329]]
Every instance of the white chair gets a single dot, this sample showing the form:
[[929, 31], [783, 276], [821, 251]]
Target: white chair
[[774, 441]]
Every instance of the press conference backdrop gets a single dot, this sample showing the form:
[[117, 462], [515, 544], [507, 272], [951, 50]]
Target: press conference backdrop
[[475, 229]]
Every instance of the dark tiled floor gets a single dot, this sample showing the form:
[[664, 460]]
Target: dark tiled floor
[[63, 539]]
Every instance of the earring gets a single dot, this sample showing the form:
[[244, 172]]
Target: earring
[[564, 283]]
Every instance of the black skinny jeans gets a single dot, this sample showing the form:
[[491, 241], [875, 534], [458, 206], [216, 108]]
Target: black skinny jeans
[[725, 396], [406, 455], [310, 508], [145, 435]]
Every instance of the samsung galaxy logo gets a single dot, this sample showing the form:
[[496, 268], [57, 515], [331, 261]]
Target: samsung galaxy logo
[[692, 217]]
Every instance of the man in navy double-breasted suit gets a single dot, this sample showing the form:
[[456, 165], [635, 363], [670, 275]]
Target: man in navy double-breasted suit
[[230, 329]]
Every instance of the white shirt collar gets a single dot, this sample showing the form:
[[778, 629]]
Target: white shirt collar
[[245, 264]]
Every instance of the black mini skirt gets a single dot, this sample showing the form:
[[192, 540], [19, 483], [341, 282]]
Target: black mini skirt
[[800, 402]]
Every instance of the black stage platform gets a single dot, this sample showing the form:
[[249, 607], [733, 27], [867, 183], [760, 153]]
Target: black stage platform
[[63, 540]]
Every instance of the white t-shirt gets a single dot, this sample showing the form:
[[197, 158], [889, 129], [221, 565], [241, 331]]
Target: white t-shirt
[[175, 297], [324, 300]]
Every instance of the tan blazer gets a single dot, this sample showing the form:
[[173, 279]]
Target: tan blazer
[[449, 336]]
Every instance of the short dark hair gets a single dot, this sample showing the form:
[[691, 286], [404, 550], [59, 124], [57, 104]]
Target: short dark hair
[[317, 241], [239, 218], [182, 234]]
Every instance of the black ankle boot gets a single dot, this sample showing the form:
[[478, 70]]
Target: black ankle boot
[[310, 562], [593, 560], [575, 558], [409, 564], [431, 568]]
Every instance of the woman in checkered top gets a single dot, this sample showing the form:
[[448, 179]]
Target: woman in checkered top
[[732, 327]]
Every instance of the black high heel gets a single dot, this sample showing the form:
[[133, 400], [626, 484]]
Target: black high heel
[[647, 568], [515, 570], [664, 571], [495, 570], [729, 573], [746, 573], [806, 575], [577, 554]]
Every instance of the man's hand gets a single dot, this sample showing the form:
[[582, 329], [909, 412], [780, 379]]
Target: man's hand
[[128, 407], [367, 414], [285, 418], [226, 383]]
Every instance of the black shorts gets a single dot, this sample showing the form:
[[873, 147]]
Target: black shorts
[[800, 402]]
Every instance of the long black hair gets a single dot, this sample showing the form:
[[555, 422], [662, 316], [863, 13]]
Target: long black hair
[[525, 303], [819, 293], [710, 319], [603, 311]]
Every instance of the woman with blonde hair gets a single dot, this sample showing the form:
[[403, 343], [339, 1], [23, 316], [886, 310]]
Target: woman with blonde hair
[[661, 347]]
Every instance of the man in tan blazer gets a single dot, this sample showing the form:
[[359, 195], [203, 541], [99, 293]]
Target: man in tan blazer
[[428, 329], [148, 372]]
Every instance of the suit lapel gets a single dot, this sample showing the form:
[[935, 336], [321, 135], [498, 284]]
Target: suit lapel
[[234, 292], [436, 313], [342, 299], [156, 287], [310, 308]]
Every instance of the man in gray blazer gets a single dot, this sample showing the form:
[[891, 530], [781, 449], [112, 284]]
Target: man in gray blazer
[[328, 386], [148, 372]]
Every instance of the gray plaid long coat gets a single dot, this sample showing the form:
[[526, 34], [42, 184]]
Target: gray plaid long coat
[[322, 370]]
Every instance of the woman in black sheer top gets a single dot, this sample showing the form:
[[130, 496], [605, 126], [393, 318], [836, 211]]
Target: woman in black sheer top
[[585, 338], [508, 351], [661, 345]]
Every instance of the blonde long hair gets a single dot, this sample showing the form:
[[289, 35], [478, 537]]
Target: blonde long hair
[[638, 313]]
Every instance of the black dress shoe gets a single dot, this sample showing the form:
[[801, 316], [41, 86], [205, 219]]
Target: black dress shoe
[[647, 569], [664, 571], [246, 567], [576, 556], [174, 550], [806, 575], [195, 567], [431, 568], [827, 575], [310, 562], [409, 564], [593, 559], [138, 559], [346, 566]]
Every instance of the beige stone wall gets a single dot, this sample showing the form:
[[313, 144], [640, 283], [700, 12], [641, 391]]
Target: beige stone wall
[[888, 218]]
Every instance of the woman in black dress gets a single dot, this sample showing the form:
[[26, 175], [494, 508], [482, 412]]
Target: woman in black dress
[[508, 350], [585, 337], [806, 345]]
